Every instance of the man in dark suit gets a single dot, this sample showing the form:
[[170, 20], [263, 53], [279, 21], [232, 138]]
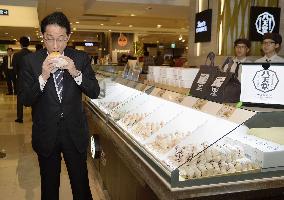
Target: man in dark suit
[[17, 63], [9, 71], [59, 121]]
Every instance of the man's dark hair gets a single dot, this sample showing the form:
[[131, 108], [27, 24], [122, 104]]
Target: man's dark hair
[[57, 18], [24, 41], [276, 37], [38, 47], [242, 41], [9, 48]]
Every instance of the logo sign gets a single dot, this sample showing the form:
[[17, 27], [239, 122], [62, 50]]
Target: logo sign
[[265, 80], [263, 20], [89, 44], [259, 85], [4, 12], [265, 23], [203, 22]]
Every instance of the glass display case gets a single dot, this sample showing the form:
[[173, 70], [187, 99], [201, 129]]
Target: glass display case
[[191, 145]]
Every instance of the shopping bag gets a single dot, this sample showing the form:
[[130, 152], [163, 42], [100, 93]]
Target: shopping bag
[[204, 78]]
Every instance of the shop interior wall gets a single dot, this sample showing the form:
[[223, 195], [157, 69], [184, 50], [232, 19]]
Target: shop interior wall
[[235, 22]]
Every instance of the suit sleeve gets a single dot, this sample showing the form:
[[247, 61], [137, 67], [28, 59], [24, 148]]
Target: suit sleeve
[[29, 88], [89, 85]]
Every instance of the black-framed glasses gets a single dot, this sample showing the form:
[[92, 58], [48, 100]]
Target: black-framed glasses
[[53, 40], [268, 43]]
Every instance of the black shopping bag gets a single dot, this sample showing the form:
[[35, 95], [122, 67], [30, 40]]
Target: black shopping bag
[[225, 86], [204, 78]]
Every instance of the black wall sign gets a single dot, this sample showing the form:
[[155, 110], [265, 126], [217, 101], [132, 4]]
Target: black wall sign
[[263, 20], [4, 12], [203, 21]]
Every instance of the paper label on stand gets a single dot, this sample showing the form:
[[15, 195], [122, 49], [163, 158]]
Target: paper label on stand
[[262, 86], [199, 104], [226, 111]]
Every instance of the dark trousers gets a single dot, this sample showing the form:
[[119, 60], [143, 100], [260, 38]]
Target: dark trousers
[[20, 109], [76, 163], [11, 81]]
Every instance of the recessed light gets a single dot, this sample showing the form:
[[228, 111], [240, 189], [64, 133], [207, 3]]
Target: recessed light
[[74, 29], [77, 22], [130, 25], [102, 24], [6, 33], [159, 25], [132, 15], [109, 30], [118, 23]]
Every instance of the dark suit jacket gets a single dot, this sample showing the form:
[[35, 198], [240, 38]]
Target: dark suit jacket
[[5, 64], [17, 59], [46, 108]]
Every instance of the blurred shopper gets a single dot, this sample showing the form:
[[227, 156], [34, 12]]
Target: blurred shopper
[[242, 48], [17, 63], [38, 47], [271, 44], [10, 71], [52, 82], [159, 60], [147, 61]]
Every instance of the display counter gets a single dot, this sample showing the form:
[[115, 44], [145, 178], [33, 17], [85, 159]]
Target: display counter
[[151, 143]]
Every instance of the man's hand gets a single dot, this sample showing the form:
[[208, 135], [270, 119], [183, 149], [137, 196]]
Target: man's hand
[[47, 67], [70, 66]]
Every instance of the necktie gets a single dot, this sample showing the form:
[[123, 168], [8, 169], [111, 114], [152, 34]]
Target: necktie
[[58, 75]]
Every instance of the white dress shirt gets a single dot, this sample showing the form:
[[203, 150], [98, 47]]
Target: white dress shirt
[[235, 64], [273, 59]]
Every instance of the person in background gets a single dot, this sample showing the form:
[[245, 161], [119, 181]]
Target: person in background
[[17, 63], [147, 61], [271, 44], [242, 48], [10, 71], [123, 60], [159, 60], [38, 47], [52, 82]]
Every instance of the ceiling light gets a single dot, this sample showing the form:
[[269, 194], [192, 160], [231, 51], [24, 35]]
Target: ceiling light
[[183, 28], [41, 41], [72, 32], [132, 15], [74, 29], [118, 23], [15, 39], [158, 41], [159, 25], [85, 40], [183, 40], [130, 26], [77, 22], [180, 37], [71, 23], [102, 24], [186, 47], [6, 33], [109, 30], [72, 40]]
